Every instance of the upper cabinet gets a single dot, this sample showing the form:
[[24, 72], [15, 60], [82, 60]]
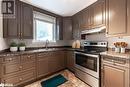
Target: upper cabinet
[[76, 26], [22, 25], [99, 14], [117, 18], [11, 25], [67, 28], [85, 19], [93, 16], [26, 21]]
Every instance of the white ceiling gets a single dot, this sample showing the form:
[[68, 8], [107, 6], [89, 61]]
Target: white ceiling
[[61, 7]]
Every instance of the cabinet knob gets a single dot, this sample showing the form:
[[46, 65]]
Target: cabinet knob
[[20, 67], [20, 79], [29, 56], [9, 59]]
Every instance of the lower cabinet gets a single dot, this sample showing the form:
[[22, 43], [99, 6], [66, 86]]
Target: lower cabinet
[[115, 77], [50, 62], [70, 60], [42, 66], [24, 68], [115, 72], [17, 70]]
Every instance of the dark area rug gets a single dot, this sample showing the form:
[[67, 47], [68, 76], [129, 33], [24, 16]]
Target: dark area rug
[[54, 81]]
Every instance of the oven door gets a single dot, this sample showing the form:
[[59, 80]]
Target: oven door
[[88, 63]]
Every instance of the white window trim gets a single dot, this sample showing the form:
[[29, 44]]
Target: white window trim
[[54, 28]]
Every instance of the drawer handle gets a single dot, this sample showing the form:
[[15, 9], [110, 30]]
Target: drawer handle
[[20, 79], [20, 67], [10, 59], [29, 56]]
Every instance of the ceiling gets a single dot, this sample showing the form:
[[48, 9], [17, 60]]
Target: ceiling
[[61, 7]]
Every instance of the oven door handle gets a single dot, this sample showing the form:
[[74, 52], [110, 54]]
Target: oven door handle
[[85, 54]]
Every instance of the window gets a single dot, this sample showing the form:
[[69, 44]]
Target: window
[[44, 27]]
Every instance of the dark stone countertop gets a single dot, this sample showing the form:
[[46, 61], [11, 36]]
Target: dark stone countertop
[[7, 53]]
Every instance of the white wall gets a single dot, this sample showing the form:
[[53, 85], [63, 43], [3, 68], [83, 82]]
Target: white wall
[[3, 44]]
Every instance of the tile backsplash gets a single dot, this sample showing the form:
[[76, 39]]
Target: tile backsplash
[[31, 43], [111, 40]]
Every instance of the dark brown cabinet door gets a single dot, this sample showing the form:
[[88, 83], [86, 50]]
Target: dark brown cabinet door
[[22, 25], [67, 28], [26, 21], [85, 19], [61, 60], [42, 66], [70, 60], [76, 27], [116, 17], [11, 26], [56, 61], [99, 13]]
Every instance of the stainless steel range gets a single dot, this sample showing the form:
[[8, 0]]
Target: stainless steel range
[[87, 62]]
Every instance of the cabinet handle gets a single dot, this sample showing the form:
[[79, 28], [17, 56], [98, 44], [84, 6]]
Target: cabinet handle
[[29, 56], [21, 34], [20, 67], [20, 79], [9, 59]]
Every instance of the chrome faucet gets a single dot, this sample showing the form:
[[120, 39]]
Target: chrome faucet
[[46, 44]]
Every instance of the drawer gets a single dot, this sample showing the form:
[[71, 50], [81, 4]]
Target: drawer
[[28, 65], [28, 75], [42, 55], [10, 68], [14, 80], [11, 60], [28, 58], [20, 78]]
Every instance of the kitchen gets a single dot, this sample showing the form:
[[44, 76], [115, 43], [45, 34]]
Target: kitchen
[[65, 43]]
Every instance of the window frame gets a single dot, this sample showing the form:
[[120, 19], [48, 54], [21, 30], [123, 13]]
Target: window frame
[[35, 30]]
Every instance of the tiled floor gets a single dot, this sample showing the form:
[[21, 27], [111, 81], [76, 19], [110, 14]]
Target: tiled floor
[[72, 81]]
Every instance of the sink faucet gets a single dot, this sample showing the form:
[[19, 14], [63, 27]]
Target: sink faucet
[[46, 45]]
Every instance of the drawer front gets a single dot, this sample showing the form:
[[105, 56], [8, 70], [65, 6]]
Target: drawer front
[[41, 55], [11, 60], [27, 58], [14, 80], [20, 78], [28, 75], [10, 69], [28, 65]]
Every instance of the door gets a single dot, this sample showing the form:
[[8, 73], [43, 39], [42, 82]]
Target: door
[[114, 77], [85, 19], [70, 60], [116, 17], [61, 60], [67, 28], [42, 66], [75, 26], [11, 26], [99, 13], [27, 21]]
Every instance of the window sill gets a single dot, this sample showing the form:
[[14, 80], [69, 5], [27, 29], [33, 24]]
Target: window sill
[[41, 41]]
